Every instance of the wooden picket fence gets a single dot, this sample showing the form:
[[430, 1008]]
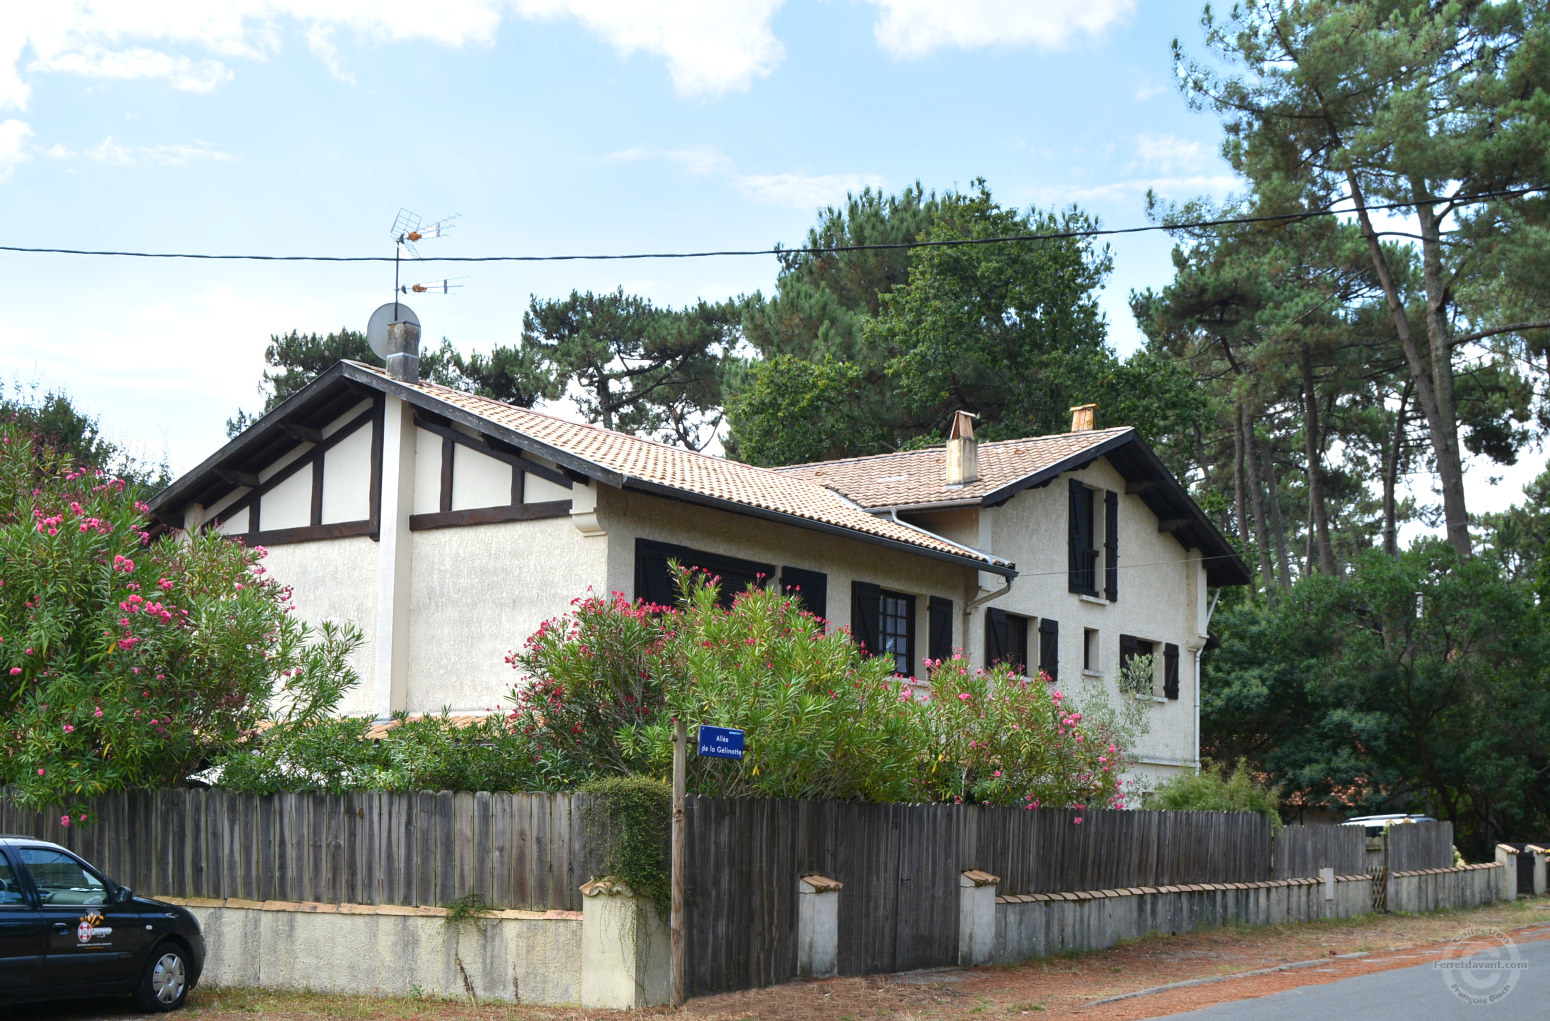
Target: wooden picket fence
[[1300, 851], [901, 866], [1420, 845], [371, 847]]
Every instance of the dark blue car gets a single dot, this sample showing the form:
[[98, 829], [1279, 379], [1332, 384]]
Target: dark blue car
[[66, 930]]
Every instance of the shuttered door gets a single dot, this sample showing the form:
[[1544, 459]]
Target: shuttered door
[[866, 602], [939, 644], [1049, 648], [995, 636]]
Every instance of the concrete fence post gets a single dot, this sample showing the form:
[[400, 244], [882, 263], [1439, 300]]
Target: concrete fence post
[[1507, 857], [1539, 854], [1327, 877], [624, 948], [818, 927], [977, 917]]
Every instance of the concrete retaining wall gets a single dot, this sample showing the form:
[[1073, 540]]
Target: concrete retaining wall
[[522, 956], [1466, 886], [1046, 924]]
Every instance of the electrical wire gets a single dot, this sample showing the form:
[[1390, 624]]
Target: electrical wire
[[1095, 232]]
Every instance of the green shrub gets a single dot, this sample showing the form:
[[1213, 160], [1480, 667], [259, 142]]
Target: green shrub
[[127, 662], [822, 719], [1213, 789], [630, 817]]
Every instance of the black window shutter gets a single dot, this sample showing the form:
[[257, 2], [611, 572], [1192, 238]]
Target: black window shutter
[[1170, 671], [1128, 650], [812, 587], [866, 602], [995, 636], [939, 643], [1111, 545], [1049, 648], [1075, 542], [653, 580]]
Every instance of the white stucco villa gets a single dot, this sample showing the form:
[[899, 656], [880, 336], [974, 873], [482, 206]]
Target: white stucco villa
[[448, 526]]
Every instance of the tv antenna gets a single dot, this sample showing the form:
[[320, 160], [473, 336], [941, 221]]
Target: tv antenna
[[447, 286], [408, 232]]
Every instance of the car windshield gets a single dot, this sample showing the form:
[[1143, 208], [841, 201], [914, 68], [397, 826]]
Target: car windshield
[[61, 879]]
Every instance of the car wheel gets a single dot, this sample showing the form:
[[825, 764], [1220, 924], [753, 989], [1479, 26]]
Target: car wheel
[[164, 986]]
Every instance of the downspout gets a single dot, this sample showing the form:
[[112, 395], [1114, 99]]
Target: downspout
[[973, 604], [1198, 653]]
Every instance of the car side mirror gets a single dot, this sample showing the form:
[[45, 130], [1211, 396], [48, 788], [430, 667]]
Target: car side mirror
[[122, 895]]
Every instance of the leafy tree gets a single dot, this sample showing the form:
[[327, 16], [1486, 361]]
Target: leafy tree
[[1421, 680], [52, 420], [127, 662], [511, 374], [1424, 105], [823, 300], [637, 367], [1011, 331]]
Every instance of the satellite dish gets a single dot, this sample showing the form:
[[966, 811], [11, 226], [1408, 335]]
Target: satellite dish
[[377, 328]]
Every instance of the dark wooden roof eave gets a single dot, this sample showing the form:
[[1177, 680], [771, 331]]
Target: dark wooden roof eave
[[1133, 458]]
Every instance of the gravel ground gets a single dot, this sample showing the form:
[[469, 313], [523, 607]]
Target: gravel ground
[[1064, 987]]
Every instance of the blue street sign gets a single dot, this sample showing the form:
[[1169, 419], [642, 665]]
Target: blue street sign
[[721, 742]]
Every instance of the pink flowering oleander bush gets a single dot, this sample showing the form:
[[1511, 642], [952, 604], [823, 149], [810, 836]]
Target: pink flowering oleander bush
[[128, 660], [604, 682]]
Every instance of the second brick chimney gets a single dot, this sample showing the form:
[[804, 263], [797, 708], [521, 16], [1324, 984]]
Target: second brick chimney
[[963, 459]]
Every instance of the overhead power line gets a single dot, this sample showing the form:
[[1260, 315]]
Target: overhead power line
[[1332, 210]]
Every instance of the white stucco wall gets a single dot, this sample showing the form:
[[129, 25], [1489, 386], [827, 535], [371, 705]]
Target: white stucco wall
[[477, 592], [289, 504], [335, 579], [1161, 599], [347, 478], [628, 516]]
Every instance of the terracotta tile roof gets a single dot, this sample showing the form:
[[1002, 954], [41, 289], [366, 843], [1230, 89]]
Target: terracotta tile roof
[[658, 464], [916, 476]]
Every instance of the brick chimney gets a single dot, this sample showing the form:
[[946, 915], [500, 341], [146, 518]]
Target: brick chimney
[[963, 459], [403, 357], [1084, 418]]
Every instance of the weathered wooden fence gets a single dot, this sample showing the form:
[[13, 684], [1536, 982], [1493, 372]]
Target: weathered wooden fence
[[514, 850], [1300, 851], [901, 865], [1420, 845]]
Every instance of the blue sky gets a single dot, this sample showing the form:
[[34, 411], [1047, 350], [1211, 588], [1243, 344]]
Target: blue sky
[[551, 126]]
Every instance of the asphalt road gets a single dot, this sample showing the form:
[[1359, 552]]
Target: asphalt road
[[1517, 980]]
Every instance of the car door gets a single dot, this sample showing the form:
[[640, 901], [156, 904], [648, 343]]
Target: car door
[[23, 933], [91, 941]]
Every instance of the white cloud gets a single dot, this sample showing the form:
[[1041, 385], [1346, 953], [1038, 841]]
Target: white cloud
[[115, 153], [916, 28], [14, 136], [710, 46], [1168, 154], [137, 63], [1166, 187], [792, 190], [1149, 91]]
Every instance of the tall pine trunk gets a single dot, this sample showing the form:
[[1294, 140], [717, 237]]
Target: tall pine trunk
[[1391, 460], [1432, 374], [1282, 560], [1313, 447], [1256, 497]]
